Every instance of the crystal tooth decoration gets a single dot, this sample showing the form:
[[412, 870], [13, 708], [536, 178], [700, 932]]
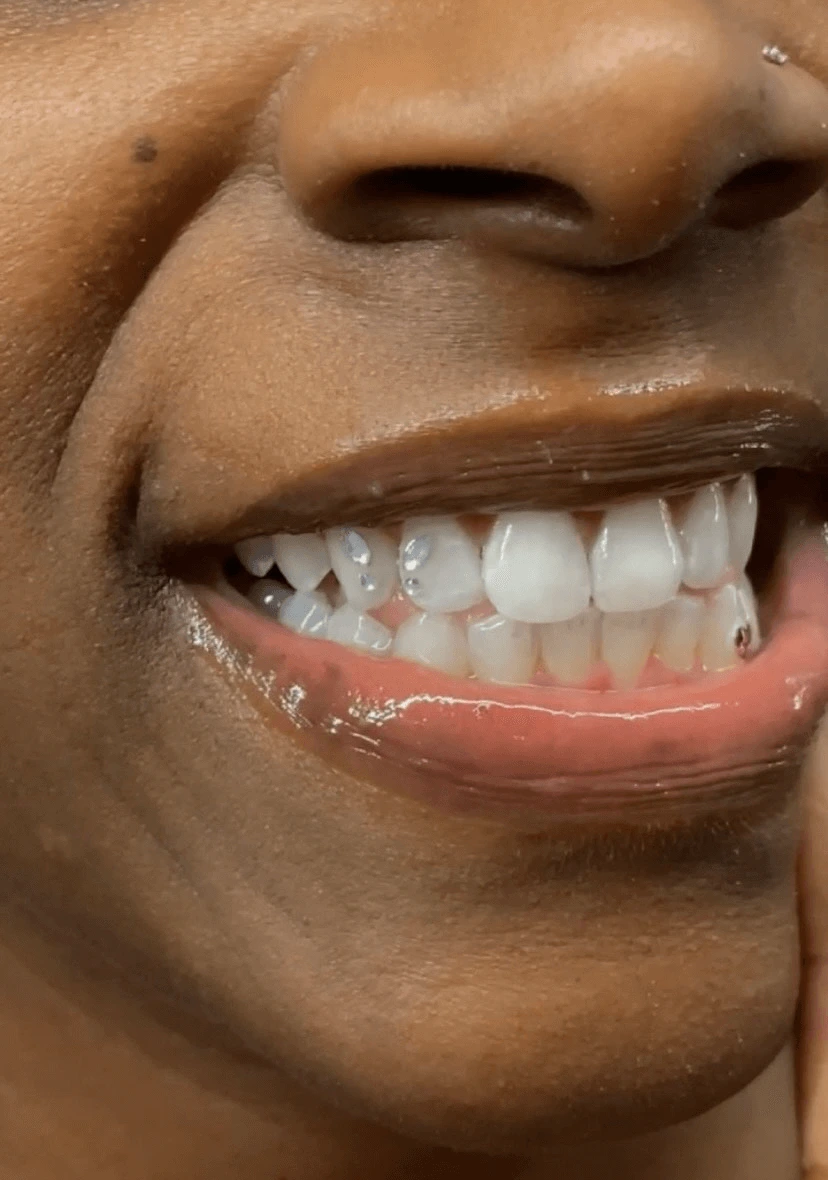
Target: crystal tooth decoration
[[306, 614], [705, 538], [365, 562], [535, 567], [502, 650], [436, 641], [303, 559], [743, 512], [256, 555], [636, 559], [352, 628], [439, 565], [572, 649]]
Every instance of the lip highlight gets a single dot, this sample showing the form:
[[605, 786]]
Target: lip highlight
[[718, 742]]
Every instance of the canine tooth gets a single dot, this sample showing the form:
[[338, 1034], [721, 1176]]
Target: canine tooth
[[437, 641], [306, 613], [365, 561], [636, 559], [352, 628], [705, 538], [535, 567], [303, 559], [679, 633], [256, 555], [727, 616], [742, 510], [627, 641], [572, 649], [502, 650], [439, 565], [268, 596]]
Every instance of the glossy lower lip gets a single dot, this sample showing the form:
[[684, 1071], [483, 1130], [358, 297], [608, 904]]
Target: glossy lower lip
[[725, 740]]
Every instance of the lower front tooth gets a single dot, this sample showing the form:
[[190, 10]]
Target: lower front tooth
[[502, 650], [679, 633], [571, 649], [306, 614], [350, 627], [627, 641], [437, 641], [726, 626]]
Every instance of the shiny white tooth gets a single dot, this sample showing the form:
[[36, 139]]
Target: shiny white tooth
[[535, 567], [438, 641], [306, 613], [269, 596], [502, 650], [627, 641], [705, 538], [365, 561], [352, 628], [439, 565], [636, 559], [751, 610], [679, 632], [256, 555], [726, 616], [742, 511], [572, 649], [303, 559]]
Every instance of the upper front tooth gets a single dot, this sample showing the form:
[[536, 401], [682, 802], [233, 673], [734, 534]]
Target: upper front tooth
[[705, 538], [743, 508], [535, 567], [303, 559], [365, 561], [440, 565], [636, 559], [256, 555]]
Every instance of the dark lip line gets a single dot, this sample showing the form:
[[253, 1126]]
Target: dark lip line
[[532, 455]]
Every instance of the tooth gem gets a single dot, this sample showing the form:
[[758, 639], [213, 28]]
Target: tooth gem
[[415, 554], [366, 582], [356, 547]]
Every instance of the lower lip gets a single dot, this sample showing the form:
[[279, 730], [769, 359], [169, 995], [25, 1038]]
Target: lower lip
[[724, 740]]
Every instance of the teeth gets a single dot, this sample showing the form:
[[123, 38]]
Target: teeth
[[256, 555], [349, 626], [437, 641], [751, 610], [306, 614], [681, 626], [728, 613], [743, 509], [439, 565], [502, 650], [626, 644], [365, 561], [705, 538], [303, 559], [535, 567], [572, 649], [268, 596], [636, 560]]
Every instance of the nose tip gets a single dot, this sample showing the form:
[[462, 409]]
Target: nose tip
[[592, 156]]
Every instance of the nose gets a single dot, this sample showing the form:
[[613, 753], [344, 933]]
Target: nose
[[588, 141]]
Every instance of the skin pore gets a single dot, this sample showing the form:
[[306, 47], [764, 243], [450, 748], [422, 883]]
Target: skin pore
[[221, 954]]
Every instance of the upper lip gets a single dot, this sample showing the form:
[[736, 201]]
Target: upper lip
[[529, 455]]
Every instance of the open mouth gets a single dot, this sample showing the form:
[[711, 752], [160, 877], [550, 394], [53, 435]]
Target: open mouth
[[648, 653]]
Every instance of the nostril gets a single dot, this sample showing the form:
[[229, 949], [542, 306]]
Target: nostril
[[420, 188], [766, 191]]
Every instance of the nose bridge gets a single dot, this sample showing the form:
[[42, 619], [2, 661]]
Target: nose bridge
[[640, 109]]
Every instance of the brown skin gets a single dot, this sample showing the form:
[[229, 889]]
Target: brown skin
[[222, 957]]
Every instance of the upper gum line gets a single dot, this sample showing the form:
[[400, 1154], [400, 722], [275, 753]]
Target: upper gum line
[[494, 594]]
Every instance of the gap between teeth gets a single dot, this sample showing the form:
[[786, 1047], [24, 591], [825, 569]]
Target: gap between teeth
[[552, 594]]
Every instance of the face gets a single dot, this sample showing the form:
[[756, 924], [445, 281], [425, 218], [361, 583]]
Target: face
[[487, 832]]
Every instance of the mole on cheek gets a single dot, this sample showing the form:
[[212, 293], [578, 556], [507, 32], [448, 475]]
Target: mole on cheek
[[145, 150]]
